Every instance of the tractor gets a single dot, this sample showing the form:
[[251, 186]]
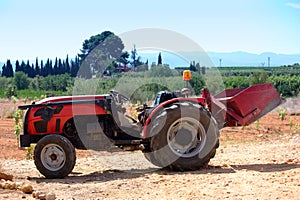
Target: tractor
[[178, 131]]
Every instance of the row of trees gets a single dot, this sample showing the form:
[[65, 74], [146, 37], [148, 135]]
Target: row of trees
[[292, 70], [102, 54], [145, 84], [57, 67]]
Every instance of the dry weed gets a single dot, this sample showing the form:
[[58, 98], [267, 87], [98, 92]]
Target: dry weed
[[7, 112]]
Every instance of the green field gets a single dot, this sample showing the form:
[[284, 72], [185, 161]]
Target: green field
[[143, 86]]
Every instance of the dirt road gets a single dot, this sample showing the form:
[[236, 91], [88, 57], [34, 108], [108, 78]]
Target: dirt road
[[261, 161]]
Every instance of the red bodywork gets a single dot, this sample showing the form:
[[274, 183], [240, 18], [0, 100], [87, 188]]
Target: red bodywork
[[85, 105]]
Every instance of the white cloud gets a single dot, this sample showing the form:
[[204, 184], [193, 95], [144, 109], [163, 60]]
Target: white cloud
[[294, 5]]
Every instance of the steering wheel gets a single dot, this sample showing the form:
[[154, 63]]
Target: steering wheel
[[119, 98]]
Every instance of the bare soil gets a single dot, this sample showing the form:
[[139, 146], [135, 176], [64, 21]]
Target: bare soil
[[261, 161]]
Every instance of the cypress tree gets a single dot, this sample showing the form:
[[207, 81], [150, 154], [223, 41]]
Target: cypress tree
[[3, 71], [159, 61], [67, 65], [27, 68], [51, 68], [37, 67], [60, 69], [17, 66], [9, 69], [32, 71], [41, 68], [46, 69], [22, 66], [55, 67], [74, 67]]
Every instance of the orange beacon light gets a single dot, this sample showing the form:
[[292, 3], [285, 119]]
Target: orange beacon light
[[187, 75]]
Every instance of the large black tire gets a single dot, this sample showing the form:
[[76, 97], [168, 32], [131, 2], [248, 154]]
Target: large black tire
[[185, 137], [54, 156], [150, 156]]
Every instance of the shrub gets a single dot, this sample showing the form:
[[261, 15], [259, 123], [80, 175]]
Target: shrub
[[10, 91], [282, 114]]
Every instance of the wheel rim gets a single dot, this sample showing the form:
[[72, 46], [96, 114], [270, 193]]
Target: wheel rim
[[186, 137], [53, 157]]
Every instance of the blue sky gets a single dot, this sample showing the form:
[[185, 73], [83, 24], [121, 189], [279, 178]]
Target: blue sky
[[49, 29]]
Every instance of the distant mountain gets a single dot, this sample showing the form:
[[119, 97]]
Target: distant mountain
[[228, 59], [249, 59]]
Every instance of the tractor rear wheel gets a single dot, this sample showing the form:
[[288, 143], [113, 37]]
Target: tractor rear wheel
[[150, 156], [185, 137], [54, 156]]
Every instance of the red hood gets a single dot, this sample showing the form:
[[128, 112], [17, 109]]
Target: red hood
[[71, 98]]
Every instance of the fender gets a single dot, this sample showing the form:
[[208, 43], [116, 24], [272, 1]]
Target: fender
[[146, 129]]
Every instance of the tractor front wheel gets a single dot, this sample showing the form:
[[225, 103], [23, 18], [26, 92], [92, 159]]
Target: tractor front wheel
[[54, 156]]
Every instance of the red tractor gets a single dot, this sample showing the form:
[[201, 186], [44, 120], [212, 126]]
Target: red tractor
[[178, 132]]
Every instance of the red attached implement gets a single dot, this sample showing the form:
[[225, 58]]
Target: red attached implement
[[242, 106]]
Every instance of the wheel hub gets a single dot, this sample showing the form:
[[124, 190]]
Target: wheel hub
[[186, 137], [53, 157]]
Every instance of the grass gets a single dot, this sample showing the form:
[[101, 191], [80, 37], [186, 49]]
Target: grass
[[30, 152], [32, 94]]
